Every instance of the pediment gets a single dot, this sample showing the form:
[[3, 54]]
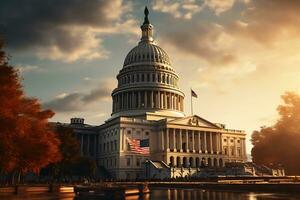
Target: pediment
[[194, 120]]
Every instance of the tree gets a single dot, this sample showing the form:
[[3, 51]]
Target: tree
[[280, 144], [84, 167], [27, 142], [70, 153]]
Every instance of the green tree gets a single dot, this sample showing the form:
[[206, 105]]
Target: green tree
[[280, 144]]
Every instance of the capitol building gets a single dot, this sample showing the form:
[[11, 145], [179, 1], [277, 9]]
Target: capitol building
[[148, 125]]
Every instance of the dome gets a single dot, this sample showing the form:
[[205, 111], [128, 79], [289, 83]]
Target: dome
[[147, 52], [147, 83]]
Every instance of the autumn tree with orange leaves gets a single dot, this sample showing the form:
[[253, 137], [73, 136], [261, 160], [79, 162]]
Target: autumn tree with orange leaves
[[27, 143], [280, 144]]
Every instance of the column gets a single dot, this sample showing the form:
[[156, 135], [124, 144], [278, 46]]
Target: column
[[88, 144], [95, 146], [151, 100], [121, 140], [171, 100], [146, 103], [81, 144], [221, 148], [235, 146], [217, 143], [210, 142], [165, 100], [205, 143], [167, 139], [244, 147], [132, 100], [187, 140], [158, 99], [199, 142], [193, 141], [139, 99], [127, 98], [162, 140], [124, 140], [174, 140], [180, 140]]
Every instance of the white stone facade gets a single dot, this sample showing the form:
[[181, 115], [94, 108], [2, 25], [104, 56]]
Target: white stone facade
[[148, 104]]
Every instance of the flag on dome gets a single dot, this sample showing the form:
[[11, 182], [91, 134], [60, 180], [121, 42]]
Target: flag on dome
[[194, 94], [139, 146]]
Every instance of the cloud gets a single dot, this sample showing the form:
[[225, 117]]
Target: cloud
[[77, 101], [268, 22], [178, 9], [205, 41], [24, 69], [219, 6], [61, 30]]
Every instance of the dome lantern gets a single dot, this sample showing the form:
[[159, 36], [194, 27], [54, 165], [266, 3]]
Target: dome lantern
[[147, 29]]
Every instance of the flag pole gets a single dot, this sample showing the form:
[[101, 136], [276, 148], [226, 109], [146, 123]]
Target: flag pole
[[191, 102]]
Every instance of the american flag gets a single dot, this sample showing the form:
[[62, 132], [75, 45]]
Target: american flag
[[193, 93], [139, 146]]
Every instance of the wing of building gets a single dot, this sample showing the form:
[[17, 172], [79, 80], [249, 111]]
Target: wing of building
[[148, 109]]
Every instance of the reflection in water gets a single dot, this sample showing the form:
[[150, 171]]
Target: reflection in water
[[161, 194], [197, 194]]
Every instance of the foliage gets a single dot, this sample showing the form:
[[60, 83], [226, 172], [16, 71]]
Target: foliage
[[27, 143], [280, 144], [84, 166], [72, 163]]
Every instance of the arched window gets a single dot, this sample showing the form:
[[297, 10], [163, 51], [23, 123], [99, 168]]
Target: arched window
[[185, 164], [178, 161], [203, 162], [197, 162], [221, 162], [191, 160], [215, 162], [171, 161], [209, 162]]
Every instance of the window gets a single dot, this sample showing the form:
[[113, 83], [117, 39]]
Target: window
[[238, 141], [231, 140], [143, 77], [128, 132], [138, 162], [111, 146], [225, 150], [147, 133], [115, 143], [128, 147], [232, 151], [225, 140], [128, 160]]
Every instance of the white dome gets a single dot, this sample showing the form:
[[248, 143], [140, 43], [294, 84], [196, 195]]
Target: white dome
[[146, 52]]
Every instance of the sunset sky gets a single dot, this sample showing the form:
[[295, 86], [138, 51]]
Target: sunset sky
[[239, 56]]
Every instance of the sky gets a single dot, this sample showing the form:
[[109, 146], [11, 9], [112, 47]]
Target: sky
[[239, 56]]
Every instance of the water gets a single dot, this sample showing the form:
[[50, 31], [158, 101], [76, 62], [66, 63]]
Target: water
[[165, 194]]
